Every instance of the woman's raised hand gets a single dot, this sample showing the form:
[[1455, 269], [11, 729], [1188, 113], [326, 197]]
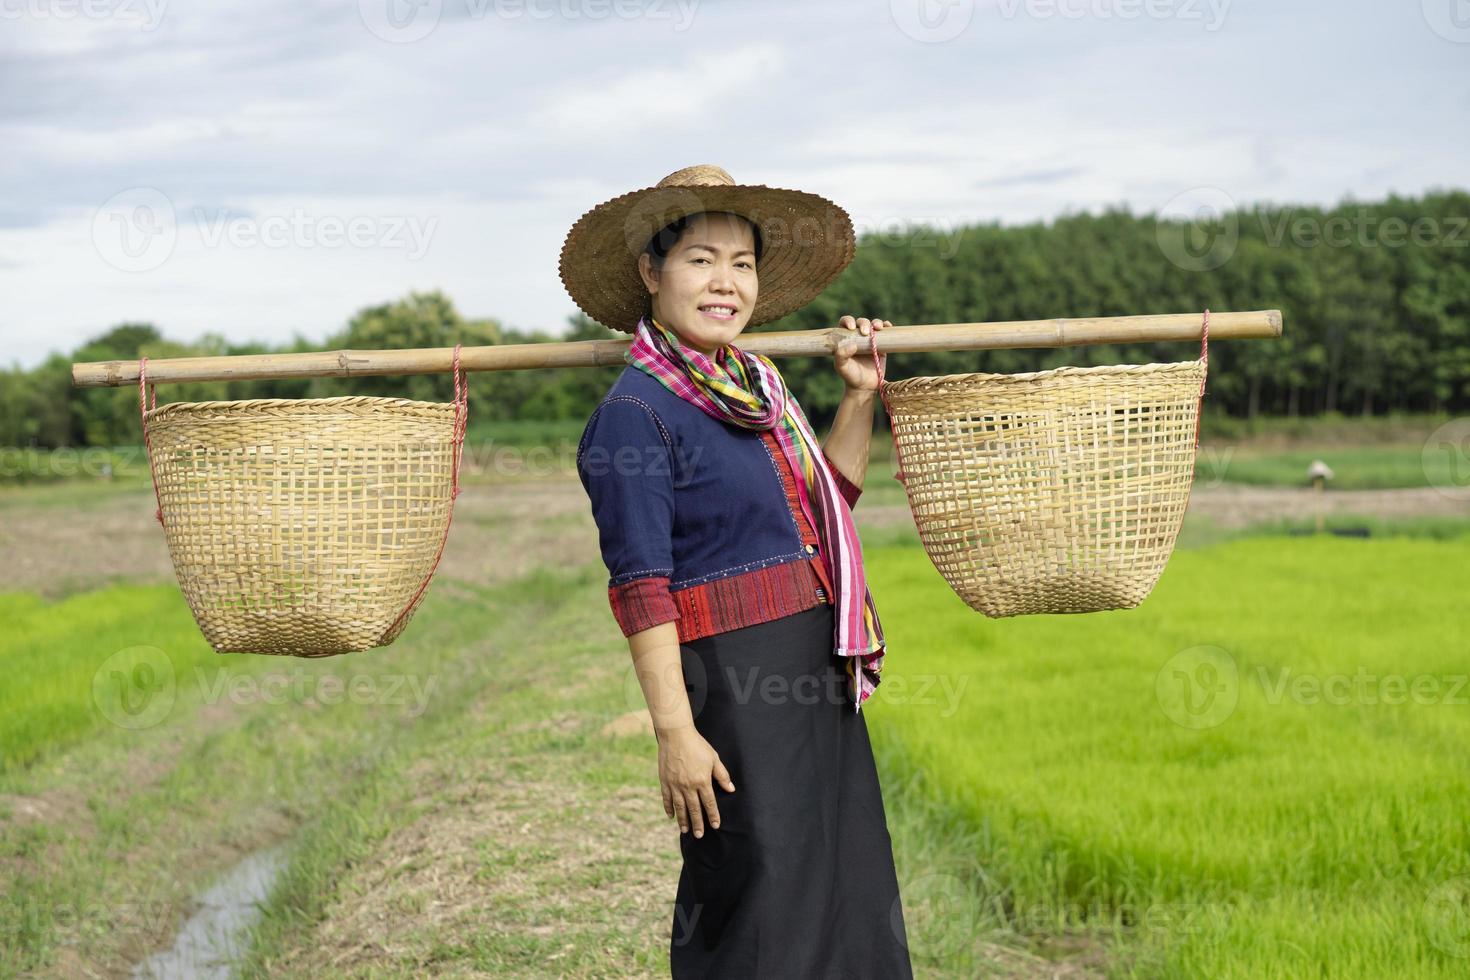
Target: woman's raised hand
[[853, 362], [686, 763]]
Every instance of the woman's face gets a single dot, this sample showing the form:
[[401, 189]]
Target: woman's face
[[711, 266]]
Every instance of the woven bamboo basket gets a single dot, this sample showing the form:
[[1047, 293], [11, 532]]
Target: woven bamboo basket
[[1057, 491], [305, 527]]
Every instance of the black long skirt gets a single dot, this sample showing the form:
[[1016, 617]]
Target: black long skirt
[[798, 881]]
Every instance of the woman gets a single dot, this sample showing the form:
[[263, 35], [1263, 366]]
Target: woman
[[737, 576]]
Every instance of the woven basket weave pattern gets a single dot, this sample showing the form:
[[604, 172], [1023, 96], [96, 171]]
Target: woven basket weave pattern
[[1056, 491], [304, 527]]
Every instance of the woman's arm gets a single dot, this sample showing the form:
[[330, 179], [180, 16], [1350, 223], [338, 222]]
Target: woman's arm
[[655, 654], [851, 437], [686, 762], [852, 430]]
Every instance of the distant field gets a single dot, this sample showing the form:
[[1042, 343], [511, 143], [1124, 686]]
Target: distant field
[[1373, 453], [1353, 468]]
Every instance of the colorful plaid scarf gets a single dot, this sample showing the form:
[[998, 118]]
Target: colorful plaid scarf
[[747, 390]]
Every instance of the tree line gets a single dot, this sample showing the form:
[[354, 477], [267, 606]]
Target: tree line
[[1375, 299]]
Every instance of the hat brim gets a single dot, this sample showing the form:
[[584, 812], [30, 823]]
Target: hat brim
[[808, 241]]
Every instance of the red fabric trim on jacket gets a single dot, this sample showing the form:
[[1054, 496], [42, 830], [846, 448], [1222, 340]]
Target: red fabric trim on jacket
[[641, 604], [752, 597], [738, 600]]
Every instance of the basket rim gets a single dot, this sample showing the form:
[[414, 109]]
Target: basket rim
[[1065, 371], [301, 405]]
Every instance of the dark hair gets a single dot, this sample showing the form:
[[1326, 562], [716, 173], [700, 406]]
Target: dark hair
[[661, 244]]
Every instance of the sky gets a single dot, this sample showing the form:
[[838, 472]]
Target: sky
[[268, 168]]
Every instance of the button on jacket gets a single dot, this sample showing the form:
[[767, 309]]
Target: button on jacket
[[698, 520]]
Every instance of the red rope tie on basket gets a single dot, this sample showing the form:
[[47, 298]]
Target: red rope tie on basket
[[460, 401], [461, 419], [883, 393], [1204, 359], [143, 409]]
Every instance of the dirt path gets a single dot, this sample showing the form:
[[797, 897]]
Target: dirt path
[[499, 532]]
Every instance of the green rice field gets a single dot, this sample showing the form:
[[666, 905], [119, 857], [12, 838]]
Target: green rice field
[[1258, 773]]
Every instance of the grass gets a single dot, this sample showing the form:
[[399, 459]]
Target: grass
[[1260, 834], [1059, 789], [1354, 468], [81, 687], [138, 813]]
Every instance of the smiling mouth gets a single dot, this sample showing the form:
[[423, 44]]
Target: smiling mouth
[[719, 311]]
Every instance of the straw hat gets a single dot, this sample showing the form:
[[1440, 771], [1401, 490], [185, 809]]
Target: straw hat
[[807, 239]]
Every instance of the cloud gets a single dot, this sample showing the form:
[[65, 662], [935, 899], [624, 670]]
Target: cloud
[[505, 129]]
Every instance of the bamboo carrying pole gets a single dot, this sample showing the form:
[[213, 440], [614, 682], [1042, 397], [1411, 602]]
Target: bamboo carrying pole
[[1058, 332]]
